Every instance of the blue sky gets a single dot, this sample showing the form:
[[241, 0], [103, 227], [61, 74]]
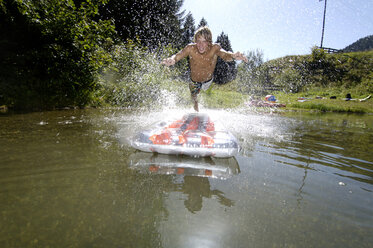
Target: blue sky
[[284, 27]]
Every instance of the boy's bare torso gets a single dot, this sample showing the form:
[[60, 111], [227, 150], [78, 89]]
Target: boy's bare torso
[[202, 65]]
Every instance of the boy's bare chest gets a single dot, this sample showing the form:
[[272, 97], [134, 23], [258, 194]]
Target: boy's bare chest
[[203, 59]]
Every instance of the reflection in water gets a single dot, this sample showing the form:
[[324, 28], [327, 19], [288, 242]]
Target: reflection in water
[[196, 172], [300, 190], [196, 188], [222, 168]]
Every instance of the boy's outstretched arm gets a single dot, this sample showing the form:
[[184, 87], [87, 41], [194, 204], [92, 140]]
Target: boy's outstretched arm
[[229, 56], [176, 57], [169, 61], [240, 56]]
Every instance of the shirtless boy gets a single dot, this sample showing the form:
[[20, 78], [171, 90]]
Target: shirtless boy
[[203, 55]]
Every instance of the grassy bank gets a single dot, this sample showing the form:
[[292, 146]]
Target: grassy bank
[[320, 101], [216, 98], [313, 100]]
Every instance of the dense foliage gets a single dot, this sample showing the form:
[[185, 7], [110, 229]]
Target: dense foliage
[[50, 52], [154, 22]]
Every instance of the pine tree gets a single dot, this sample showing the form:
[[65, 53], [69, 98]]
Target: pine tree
[[187, 37], [154, 22], [224, 71], [202, 23], [188, 30]]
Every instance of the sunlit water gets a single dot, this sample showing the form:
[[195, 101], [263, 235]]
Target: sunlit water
[[300, 180]]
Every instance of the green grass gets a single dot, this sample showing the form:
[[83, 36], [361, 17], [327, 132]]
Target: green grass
[[217, 97], [326, 104], [331, 107], [221, 97]]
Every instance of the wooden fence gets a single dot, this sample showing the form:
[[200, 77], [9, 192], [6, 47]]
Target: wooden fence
[[330, 50]]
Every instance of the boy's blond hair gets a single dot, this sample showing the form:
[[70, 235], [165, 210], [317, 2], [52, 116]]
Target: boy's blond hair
[[205, 32]]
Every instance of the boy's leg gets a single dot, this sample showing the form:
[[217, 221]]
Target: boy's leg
[[195, 88], [195, 101]]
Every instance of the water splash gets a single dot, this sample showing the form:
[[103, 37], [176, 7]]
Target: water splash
[[248, 127]]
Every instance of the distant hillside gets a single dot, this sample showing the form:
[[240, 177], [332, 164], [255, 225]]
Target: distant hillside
[[352, 70], [363, 44]]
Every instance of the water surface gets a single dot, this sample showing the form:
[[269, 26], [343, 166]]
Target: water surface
[[69, 179]]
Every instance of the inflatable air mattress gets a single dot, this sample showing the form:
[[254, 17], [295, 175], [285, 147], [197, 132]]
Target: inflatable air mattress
[[194, 134]]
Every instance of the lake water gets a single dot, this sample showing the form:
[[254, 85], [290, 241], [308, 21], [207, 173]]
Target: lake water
[[69, 179]]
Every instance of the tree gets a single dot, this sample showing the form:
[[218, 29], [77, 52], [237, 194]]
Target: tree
[[153, 22], [187, 37], [224, 71], [188, 30], [248, 73], [202, 23], [51, 52]]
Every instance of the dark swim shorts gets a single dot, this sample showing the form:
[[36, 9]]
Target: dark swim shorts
[[195, 87]]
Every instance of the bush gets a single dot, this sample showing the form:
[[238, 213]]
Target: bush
[[52, 52]]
